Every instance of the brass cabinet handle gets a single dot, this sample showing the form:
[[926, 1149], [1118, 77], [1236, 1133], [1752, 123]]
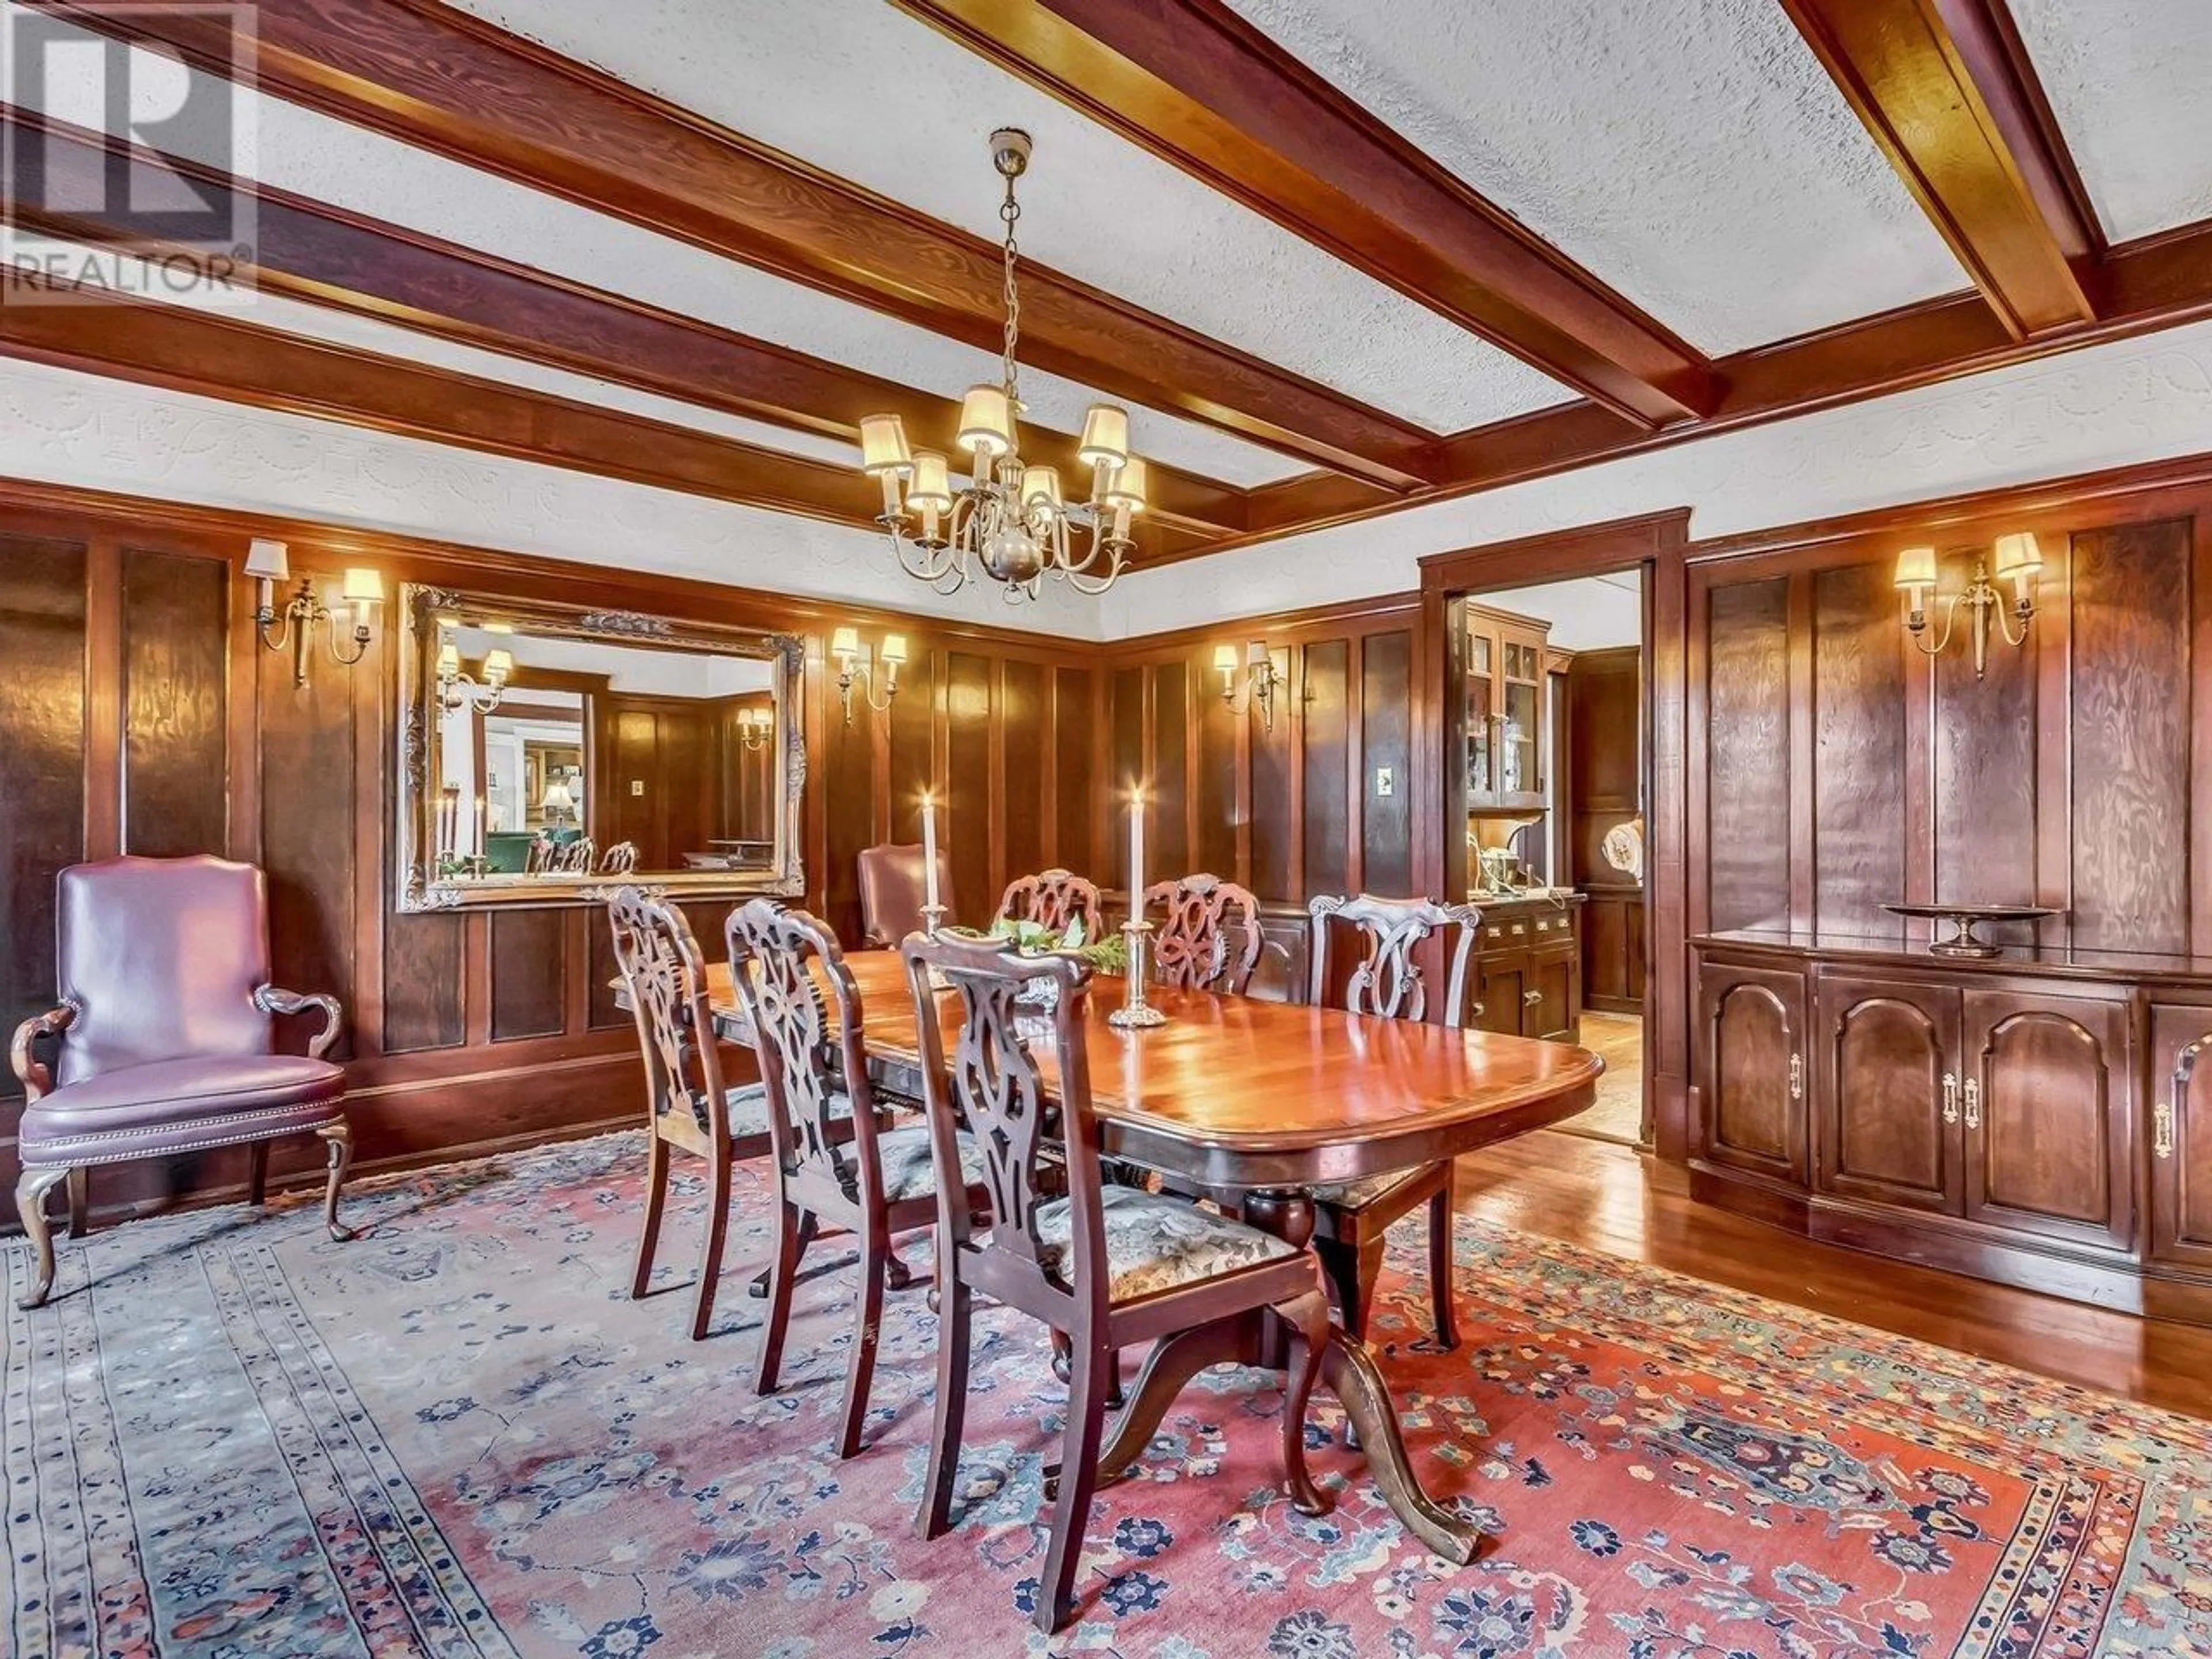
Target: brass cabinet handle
[[1950, 1096], [1519, 928], [1796, 1076], [1478, 1011], [1973, 1103], [2162, 1138], [1532, 997]]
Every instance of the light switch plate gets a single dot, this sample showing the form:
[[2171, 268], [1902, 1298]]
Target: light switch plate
[[1386, 781], [637, 785]]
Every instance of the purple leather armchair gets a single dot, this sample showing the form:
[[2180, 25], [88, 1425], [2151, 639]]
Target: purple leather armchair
[[162, 1041]]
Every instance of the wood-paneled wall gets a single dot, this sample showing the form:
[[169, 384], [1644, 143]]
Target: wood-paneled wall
[[1842, 770], [141, 716]]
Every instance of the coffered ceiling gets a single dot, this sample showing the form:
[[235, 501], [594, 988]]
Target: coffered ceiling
[[1341, 257]]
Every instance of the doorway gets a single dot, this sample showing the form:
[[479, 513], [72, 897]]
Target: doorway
[[1548, 760]]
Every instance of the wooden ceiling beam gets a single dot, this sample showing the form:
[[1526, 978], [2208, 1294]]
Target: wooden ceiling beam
[[309, 251], [1946, 89], [437, 77], [213, 356], [1209, 93]]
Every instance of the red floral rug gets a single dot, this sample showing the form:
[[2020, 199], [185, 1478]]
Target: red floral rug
[[457, 1436]]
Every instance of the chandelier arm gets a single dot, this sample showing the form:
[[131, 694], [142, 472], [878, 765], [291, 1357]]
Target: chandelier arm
[[1095, 585]]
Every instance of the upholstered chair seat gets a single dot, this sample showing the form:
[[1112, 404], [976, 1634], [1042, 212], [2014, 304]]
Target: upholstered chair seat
[[1367, 1189], [905, 1157], [1155, 1243], [748, 1109], [180, 1105]]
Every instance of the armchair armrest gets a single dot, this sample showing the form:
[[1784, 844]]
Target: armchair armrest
[[34, 1074], [271, 1001]]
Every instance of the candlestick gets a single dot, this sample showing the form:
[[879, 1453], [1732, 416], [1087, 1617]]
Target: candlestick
[[1135, 1009], [929, 899], [480, 847], [1136, 851]]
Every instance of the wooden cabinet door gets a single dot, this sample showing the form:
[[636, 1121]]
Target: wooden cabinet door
[[1551, 1001], [1501, 990], [2046, 1108], [2181, 1137], [1887, 1096], [1751, 1070]]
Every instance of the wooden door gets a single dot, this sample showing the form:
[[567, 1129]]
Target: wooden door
[[2045, 1105], [2181, 1137], [1751, 1070], [1887, 1096], [1501, 991], [1551, 1001]]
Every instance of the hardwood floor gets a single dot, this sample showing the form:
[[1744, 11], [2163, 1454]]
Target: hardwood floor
[[1609, 1197]]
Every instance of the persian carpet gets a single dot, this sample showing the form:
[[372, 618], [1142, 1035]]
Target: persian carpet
[[457, 1436]]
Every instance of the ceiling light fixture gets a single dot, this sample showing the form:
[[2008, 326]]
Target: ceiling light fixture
[[1010, 518]]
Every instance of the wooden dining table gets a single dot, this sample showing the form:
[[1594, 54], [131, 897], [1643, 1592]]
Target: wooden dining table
[[1261, 1101]]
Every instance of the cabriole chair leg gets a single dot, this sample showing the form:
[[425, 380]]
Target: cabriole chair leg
[[31, 1190], [338, 1139]]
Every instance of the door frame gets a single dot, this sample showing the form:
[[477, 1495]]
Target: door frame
[[1657, 545]]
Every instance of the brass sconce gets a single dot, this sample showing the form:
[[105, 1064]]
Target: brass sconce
[[362, 591], [755, 727], [2017, 560], [854, 663], [1259, 680]]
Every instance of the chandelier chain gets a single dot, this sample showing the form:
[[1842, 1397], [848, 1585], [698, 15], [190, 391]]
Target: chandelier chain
[[1009, 211]]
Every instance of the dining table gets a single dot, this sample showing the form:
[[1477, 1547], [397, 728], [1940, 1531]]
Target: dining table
[[1257, 1103]]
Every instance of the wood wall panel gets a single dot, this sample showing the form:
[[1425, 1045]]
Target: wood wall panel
[[1986, 739], [423, 983], [309, 826], [1217, 810], [1858, 761], [1329, 764], [1079, 790], [530, 977], [1168, 845], [1022, 738], [1747, 820], [1386, 704], [175, 628], [842, 768], [968, 710], [2130, 628], [42, 746], [1276, 760]]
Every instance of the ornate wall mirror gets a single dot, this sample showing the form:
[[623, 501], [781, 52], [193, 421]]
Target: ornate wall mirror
[[549, 752]]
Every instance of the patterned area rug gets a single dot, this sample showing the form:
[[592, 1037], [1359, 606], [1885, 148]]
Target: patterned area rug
[[456, 1436]]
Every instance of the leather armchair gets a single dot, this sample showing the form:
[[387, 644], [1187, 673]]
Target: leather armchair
[[892, 889], [163, 1042]]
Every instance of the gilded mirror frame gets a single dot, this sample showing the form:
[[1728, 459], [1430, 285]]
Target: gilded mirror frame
[[418, 886]]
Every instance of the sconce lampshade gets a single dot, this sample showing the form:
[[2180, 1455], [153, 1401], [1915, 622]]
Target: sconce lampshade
[[1915, 567], [363, 588], [1225, 658], [932, 487], [883, 447], [894, 647], [1105, 436], [499, 666], [2018, 555], [1127, 488], [987, 420], [449, 660], [267, 560], [845, 642]]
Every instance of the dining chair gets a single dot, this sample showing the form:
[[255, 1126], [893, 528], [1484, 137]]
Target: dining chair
[[1351, 1217], [1107, 1266], [835, 1168], [690, 1106], [575, 858], [1209, 939], [619, 859], [1054, 898], [894, 882]]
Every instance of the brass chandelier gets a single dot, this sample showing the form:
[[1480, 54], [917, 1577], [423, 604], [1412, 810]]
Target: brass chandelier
[[1008, 519]]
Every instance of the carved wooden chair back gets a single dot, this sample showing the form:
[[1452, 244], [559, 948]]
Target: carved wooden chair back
[[540, 855], [620, 860], [1054, 898], [804, 1011], [1387, 979], [1209, 939], [667, 978], [991, 1086], [576, 857]]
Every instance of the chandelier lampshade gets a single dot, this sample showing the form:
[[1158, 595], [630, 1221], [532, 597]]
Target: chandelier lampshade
[[1010, 518]]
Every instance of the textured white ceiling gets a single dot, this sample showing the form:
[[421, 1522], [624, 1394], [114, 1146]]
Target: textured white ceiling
[[869, 94], [333, 161], [2130, 81], [1692, 153]]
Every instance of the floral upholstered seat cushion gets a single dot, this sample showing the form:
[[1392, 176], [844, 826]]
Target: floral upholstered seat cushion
[[1358, 1194], [748, 1109], [1155, 1243], [905, 1157]]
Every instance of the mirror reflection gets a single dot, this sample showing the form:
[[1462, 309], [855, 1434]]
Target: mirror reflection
[[557, 754]]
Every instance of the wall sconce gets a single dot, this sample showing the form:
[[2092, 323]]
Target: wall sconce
[[754, 727], [2017, 558], [1260, 677], [855, 662], [456, 690], [268, 563]]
